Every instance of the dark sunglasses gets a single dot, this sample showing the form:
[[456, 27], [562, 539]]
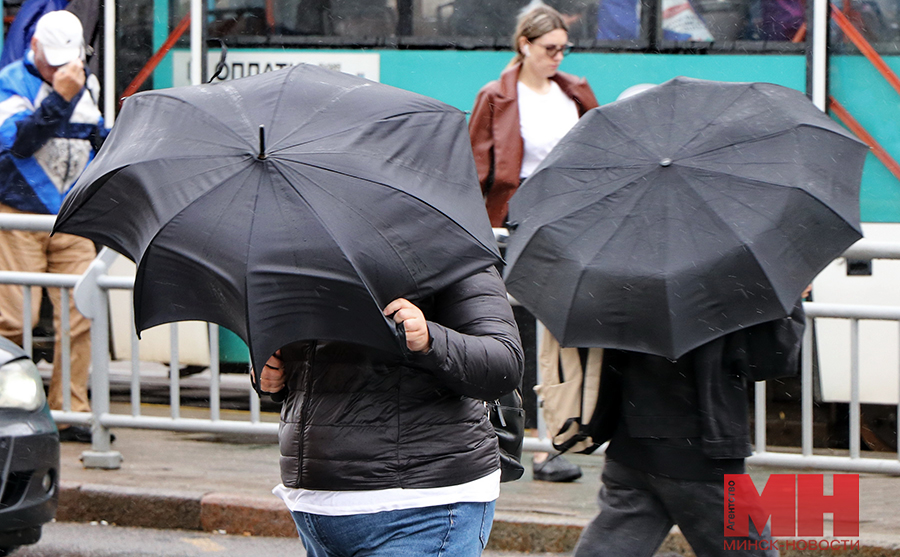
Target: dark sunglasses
[[554, 49]]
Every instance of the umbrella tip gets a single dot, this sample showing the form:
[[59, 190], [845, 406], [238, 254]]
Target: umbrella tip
[[665, 162], [262, 143]]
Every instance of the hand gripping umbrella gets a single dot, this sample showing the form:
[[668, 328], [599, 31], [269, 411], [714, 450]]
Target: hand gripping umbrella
[[286, 206], [688, 211]]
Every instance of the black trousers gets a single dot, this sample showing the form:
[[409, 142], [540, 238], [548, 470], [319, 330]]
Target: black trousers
[[637, 511]]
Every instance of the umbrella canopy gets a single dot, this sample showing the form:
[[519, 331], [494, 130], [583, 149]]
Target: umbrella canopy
[[685, 212], [286, 206]]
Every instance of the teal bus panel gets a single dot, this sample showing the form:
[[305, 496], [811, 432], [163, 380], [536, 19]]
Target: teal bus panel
[[871, 101], [455, 76]]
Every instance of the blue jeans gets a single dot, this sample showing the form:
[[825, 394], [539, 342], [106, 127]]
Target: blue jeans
[[457, 530]]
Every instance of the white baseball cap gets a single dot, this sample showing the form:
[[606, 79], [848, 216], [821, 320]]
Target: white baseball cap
[[61, 36]]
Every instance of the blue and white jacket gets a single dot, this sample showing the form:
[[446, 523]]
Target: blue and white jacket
[[45, 142]]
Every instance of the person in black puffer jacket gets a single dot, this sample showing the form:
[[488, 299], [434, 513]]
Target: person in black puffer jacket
[[392, 455], [675, 429]]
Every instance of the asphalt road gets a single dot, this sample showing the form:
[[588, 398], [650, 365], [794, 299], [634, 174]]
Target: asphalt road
[[65, 539]]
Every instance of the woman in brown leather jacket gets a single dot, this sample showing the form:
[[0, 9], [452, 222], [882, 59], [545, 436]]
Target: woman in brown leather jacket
[[515, 123], [520, 117]]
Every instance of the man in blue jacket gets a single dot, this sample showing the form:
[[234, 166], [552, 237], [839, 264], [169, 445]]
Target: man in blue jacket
[[50, 129], [18, 36]]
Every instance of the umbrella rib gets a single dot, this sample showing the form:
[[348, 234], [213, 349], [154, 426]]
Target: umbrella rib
[[209, 115], [375, 157], [325, 225], [619, 229], [333, 133], [764, 183], [335, 171], [622, 134], [715, 216], [755, 139], [709, 120], [322, 108], [599, 195]]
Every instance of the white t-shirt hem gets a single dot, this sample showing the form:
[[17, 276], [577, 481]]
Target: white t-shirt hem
[[343, 503]]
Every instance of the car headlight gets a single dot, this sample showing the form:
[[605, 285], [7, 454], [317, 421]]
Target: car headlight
[[21, 386]]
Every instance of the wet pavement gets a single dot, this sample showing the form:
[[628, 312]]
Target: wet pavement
[[222, 483]]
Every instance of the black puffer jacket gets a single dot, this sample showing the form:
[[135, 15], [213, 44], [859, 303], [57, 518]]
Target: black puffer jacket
[[355, 419]]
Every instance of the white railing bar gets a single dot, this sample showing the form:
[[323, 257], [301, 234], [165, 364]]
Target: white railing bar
[[851, 311], [188, 424], [65, 349], [214, 370], [854, 389], [873, 249], [100, 439], [862, 250], [111, 282], [539, 331], [50, 280], [27, 325], [806, 389], [68, 417], [27, 222], [174, 373], [823, 462], [759, 404], [254, 404], [135, 366]]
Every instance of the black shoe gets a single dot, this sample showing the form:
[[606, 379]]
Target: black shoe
[[79, 434], [555, 469]]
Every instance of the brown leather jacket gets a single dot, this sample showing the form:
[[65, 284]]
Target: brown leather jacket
[[496, 140]]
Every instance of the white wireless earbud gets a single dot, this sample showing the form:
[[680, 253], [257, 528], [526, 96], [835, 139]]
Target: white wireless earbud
[[525, 50]]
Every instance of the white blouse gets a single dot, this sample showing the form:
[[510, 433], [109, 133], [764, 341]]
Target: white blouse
[[543, 121]]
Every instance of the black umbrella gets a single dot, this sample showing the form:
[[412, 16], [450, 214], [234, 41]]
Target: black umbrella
[[286, 206], [690, 210]]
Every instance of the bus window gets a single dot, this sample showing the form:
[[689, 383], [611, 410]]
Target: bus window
[[351, 18]]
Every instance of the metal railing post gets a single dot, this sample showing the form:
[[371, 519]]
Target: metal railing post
[[854, 389], [759, 404], [92, 301], [806, 388], [65, 339], [27, 324], [214, 370], [174, 373]]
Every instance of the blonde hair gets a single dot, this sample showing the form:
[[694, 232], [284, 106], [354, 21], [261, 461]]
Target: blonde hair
[[536, 20]]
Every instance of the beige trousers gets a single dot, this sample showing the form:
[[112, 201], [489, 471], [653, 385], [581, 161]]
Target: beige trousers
[[38, 252], [567, 390]]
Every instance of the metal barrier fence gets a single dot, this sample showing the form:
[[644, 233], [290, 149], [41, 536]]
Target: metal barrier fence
[[91, 292]]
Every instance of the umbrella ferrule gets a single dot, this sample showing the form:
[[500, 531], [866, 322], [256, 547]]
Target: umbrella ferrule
[[665, 162], [262, 143]]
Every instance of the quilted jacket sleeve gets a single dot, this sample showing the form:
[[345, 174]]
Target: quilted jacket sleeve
[[476, 350]]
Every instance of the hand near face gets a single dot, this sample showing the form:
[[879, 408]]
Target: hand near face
[[403, 311], [68, 80]]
